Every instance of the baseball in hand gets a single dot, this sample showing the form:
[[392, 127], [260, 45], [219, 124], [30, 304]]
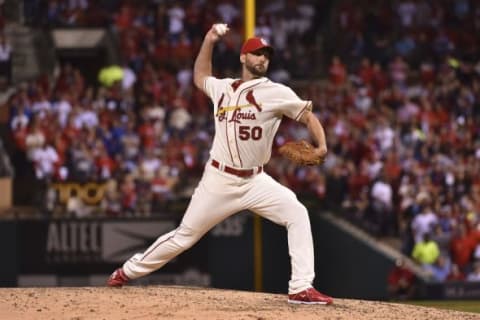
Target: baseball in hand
[[220, 28]]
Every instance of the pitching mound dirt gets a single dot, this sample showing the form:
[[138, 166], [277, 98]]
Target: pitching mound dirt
[[158, 302]]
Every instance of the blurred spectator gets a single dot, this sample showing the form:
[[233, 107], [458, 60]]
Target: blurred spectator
[[462, 246], [111, 202], [20, 120], [425, 221], [45, 159], [35, 138], [335, 185], [180, 118], [425, 252], [129, 78], [439, 270], [227, 11], [76, 207], [406, 11], [337, 72], [2, 16], [442, 45], [143, 205], [62, 108], [263, 29], [363, 102], [443, 239], [163, 186], [149, 165], [475, 274], [105, 164], [455, 274], [382, 206], [85, 117], [398, 71], [41, 106], [401, 282], [176, 15], [81, 161], [130, 142], [128, 195], [405, 45], [5, 59]]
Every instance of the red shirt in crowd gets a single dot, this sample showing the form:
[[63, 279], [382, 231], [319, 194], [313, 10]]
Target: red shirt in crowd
[[124, 18], [456, 276], [162, 50], [105, 165], [128, 194], [358, 180], [366, 72], [70, 133], [399, 275], [462, 248], [61, 146], [337, 72], [19, 137], [147, 134], [379, 78]]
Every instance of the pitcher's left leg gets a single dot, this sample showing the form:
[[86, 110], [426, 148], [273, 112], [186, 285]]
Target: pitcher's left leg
[[273, 201]]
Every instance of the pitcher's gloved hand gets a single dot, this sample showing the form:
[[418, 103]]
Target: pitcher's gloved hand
[[302, 153]]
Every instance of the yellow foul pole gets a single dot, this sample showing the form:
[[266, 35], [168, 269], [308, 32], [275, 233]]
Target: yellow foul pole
[[249, 25], [249, 19]]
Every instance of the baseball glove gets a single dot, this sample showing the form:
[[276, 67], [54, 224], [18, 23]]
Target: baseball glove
[[301, 152]]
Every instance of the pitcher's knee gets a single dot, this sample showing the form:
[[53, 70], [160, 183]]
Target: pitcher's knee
[[303, 216], [299, 214], [185, 237]]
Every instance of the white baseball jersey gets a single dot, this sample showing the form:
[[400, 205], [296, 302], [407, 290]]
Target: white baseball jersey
[[247, 117]]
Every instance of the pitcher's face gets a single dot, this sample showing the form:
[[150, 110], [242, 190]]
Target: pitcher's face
[[256, 62]]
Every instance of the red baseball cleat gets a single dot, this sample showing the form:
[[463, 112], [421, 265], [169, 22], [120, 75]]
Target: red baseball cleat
[[309, 296], [118, 278]]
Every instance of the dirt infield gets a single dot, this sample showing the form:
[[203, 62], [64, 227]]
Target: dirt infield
[[158, 302]]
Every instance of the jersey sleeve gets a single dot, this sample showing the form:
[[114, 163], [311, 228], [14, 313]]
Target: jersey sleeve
[[212, 86], [215, 88], [290, 105]]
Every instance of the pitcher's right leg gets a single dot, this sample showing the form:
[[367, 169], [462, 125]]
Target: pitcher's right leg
[[275, 202], [164, 249], [212, 202]]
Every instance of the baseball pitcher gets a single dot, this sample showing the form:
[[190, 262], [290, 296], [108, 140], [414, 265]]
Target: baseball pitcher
[[247, 113]]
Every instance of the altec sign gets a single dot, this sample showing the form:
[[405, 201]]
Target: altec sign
[[73, 241], [74, 245], [73, 237]]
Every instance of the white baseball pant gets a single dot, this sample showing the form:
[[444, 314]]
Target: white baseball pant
[[218, 196]]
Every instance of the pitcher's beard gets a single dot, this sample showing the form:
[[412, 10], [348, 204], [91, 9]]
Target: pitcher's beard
[[257, 72]]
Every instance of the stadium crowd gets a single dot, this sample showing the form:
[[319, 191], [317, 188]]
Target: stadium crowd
[[404, 114], [400, 104]]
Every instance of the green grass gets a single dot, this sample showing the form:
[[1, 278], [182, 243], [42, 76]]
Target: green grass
[[459, 305]]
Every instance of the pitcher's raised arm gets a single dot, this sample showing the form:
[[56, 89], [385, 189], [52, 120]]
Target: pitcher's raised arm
[[203, 62]]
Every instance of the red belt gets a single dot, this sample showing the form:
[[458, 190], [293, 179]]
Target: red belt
[[243, 173]]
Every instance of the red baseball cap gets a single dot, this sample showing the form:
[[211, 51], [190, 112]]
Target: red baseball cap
[[255, 43]]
